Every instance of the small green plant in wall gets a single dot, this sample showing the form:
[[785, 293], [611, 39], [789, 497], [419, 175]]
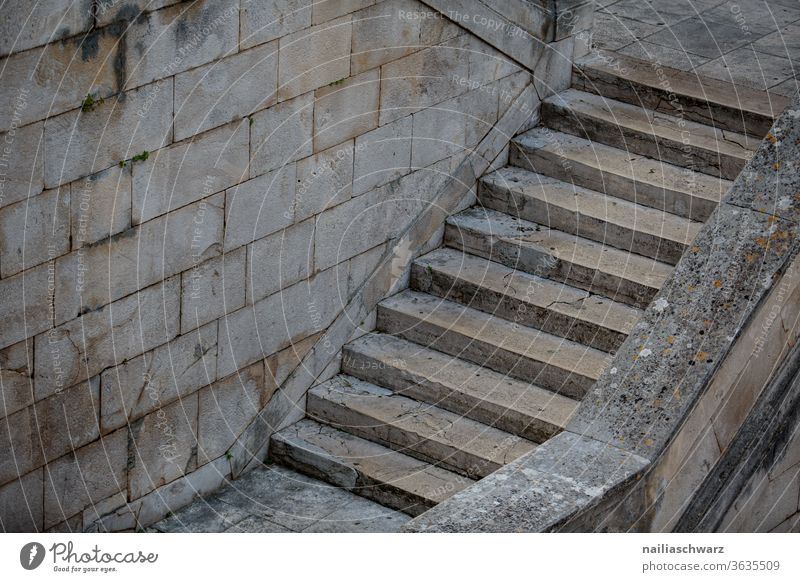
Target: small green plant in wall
[[89, 103], [137, 158]]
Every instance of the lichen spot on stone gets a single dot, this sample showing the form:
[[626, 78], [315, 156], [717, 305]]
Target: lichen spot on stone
[[645, 352], [612, 371], [660, 304]]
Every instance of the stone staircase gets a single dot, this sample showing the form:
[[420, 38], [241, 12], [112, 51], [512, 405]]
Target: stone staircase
[[507, 326]]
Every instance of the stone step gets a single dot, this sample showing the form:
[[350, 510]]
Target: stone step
[[599, 217], [552, 254], [554, 307], [717, 152], [363, 467], [560, 365], [459, 386], [619, 173], [414, 428], [685, 94]]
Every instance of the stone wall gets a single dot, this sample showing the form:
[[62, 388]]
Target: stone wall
[[200, 202]]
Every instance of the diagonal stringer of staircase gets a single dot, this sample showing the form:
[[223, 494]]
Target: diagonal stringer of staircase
[[508, 325]]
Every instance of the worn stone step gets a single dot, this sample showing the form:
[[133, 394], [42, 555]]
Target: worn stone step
[[552, 254], [560, 365], [702, 148], [459, 386], [695, 98], [551, 306], [575, 210], [619, 173], [414, 428], [363, 467]]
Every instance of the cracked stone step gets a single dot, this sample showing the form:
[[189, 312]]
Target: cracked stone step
[[560, 365], [619, 173], [363, 467], [550, 306], [519, 244], [414, 428], [718, 152], [599, 217], [459, 386], [695, 98]]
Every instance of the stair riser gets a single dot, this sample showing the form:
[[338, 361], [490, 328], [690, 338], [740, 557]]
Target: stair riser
[[472, 349], [420, 388], [509, 307], [550, 164], [665, 101], [545, 265], [699, 159], [360, 424], [338, 473], [552, 216]]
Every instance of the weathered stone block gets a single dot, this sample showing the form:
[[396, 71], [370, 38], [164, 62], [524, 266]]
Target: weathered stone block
[[279, 260], [439, 132], [277, 322], [95, 276], [345, 110], [16, 370], [21, 163], [574, 16], [330, 9], [34, 231], [100, 206], [25, 305], [324, 180], [553, 72], [155, 379], [227, 407], [314, 57], [212, 289], [79, 143], [260, 206], [191, 170], [179, 38], [225, 90], [109, 11], [25, 25], [281, 134], [21, 504], [163, 446], [264, 21], [85, 477], [385, 32], [382, 155], [99, 339]]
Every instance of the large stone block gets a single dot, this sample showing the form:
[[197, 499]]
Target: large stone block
[[387, 31], [225, 90], [314, 57], [163, 446], [16, 371], [24, 25], [265, 21], [345, 110], [85, 477], [167, 42], [34, 231], [439, 132], [382, 155], [26, 304], [95, 276], [21, 504], [21, 163], [80, 143], [553, 72], [324, 180], [99, 339], [188, 171], [259, 207], [280, 260], [109, 11], [100, 206], [212, 289], [56, 78], [227, 407], [281, 134], [329, 9], [155, 379], [277, 322]]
